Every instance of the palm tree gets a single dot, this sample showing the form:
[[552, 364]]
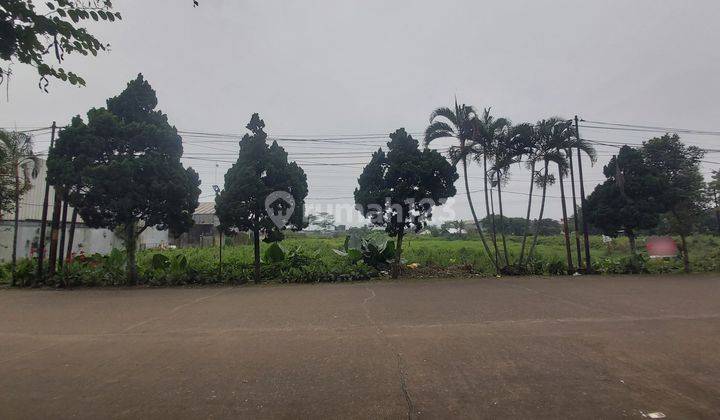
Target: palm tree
[[458, 123], [19, 162], [566, 140], [528, 140], [555, 136], [508, 149], [546, 151], [487, 132], [560, 136]]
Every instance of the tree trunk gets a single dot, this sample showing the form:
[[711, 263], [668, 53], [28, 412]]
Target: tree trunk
[[631, 239], [684, 250], [397, 266], [63, 228], [566, 231], [131, 248], [502, 225], [474, 215], [71, 234], [717, 212], [542, 211], [490, 208], [575, 213], [16, 225], [54, 233], [527, 215], [256, 249]]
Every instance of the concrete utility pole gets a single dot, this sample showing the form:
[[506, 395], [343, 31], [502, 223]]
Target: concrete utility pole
[[43, 223], [583, 202], [217, 193], [54, 232], [575, 214]]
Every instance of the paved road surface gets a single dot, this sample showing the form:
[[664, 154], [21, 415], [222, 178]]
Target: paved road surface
[[585, 347]]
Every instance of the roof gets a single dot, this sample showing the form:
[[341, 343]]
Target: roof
[[207, 207]]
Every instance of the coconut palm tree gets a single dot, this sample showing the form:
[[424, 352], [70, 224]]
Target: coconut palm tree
[[458, 123], [20, 162], [487, 132]]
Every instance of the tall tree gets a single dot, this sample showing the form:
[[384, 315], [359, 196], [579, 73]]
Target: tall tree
[[488, 131], [714, 190], [398, 190], [133, 178], [260, 172], [529, 139], [545, 152], [458, 123], [19, 166], [682, 185], [628, 200], [561, 137], [508, 147], [66, 164]]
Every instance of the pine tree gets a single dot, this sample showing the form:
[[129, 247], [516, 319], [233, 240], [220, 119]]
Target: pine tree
[[262, 171]]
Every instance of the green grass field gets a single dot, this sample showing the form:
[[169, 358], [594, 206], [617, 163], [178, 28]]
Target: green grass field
[[444, 252]]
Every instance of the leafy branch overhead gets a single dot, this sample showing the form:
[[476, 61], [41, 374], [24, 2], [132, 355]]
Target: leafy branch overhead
[[34, 35], [41, 36]]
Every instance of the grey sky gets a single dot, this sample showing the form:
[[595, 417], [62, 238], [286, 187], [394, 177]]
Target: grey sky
[[339, 67]]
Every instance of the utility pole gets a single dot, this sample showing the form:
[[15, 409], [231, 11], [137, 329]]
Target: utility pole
[[217, 193], [717, 210], [43, 223], [575, 215], [63, 229], [54, 231], [583, 202]]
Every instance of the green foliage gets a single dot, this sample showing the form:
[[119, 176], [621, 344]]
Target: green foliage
[[309, 260], [30, 34], [398, 190], [260, 172], [17, 158], [376, 251], [274, 254], [630, 198], [123, 168]]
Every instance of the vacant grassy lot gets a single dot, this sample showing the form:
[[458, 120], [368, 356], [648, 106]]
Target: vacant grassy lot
[[444, 252]]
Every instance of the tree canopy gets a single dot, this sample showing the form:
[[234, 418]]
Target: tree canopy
[[398, 190], [630, 198], [261, 170], [124, 167]]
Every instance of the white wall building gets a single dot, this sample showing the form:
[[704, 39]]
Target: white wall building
[[86, 239]]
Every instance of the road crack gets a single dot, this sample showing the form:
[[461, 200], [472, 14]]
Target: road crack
[[401, 371]]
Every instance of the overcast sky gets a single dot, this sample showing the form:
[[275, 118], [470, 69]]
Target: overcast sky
[[324, 68]]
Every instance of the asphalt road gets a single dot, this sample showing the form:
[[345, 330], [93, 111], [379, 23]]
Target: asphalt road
[[587, 347]]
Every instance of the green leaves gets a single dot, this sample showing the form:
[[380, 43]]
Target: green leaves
[[274, 254], [36, 37], [123, 166]]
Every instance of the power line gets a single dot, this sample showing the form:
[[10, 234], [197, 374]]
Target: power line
[[652, 128]]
